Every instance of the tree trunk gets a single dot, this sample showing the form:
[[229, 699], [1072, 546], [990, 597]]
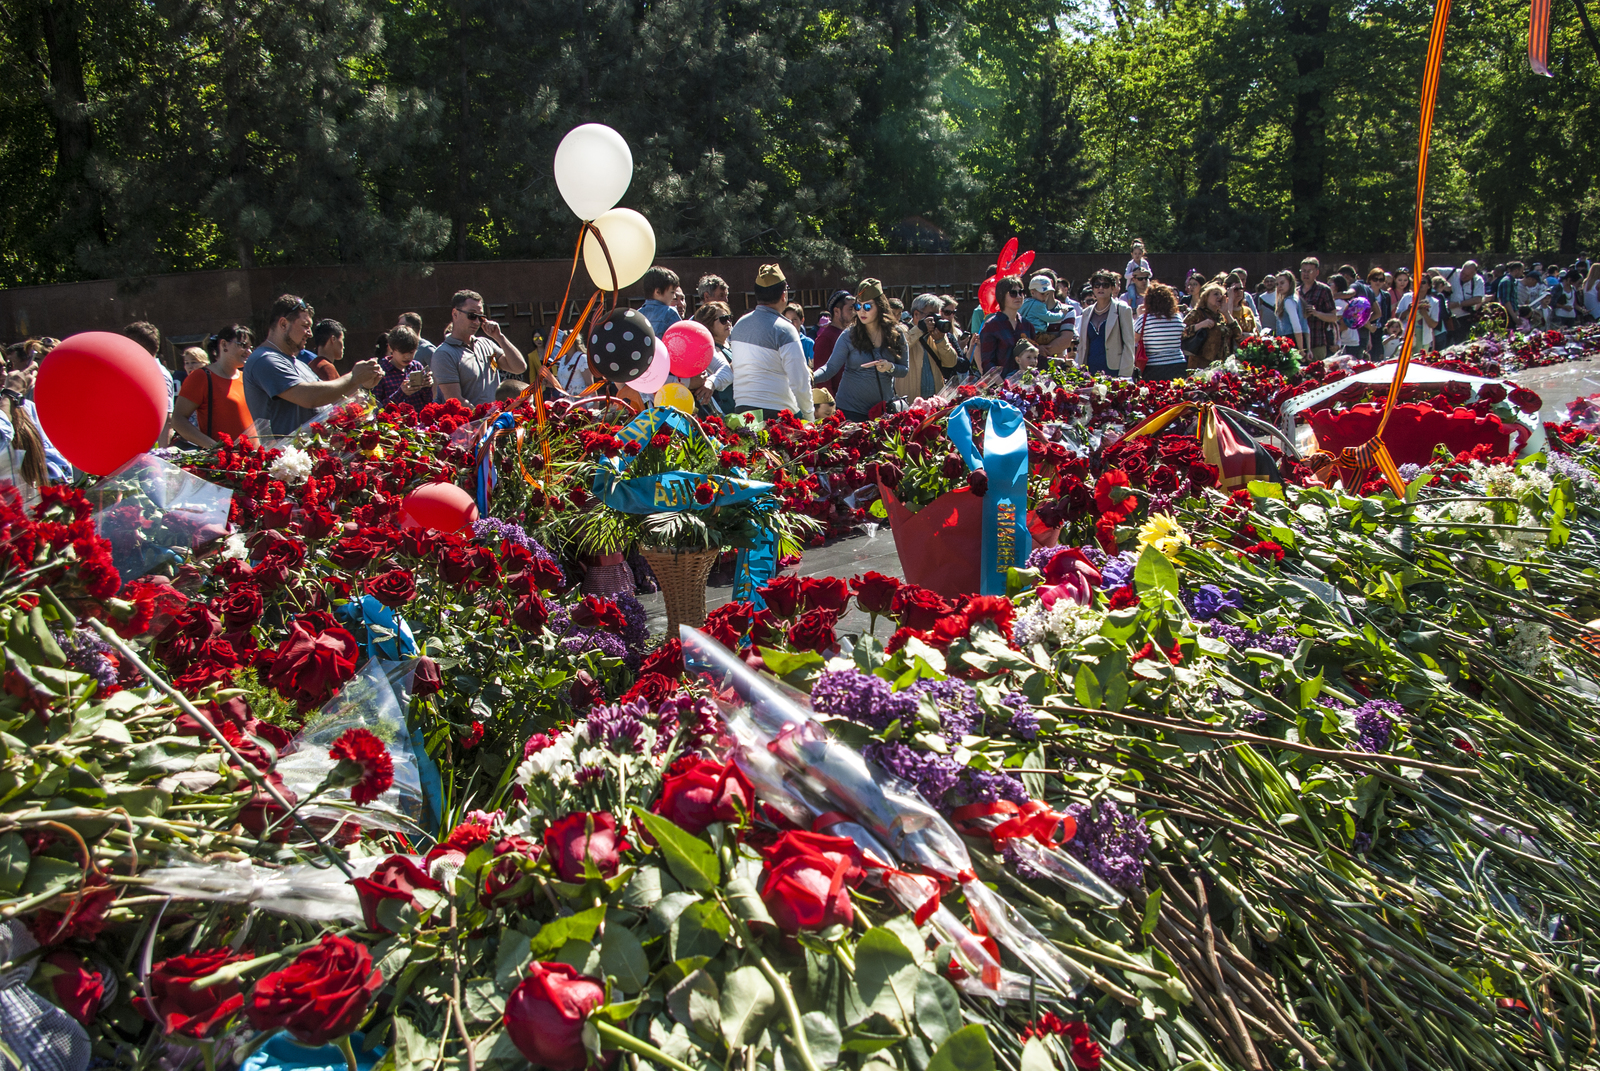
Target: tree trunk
[[61, 24], [1570, 223], [1308, 21]]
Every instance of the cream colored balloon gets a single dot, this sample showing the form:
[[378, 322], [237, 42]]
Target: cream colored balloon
[[629, 239], [593, 169]]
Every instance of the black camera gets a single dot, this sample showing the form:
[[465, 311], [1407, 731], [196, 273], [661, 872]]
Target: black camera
[[936, 323]]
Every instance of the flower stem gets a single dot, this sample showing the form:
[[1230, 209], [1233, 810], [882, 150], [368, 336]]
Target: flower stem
[[624, 1040], [779, 984], [349, 1053]]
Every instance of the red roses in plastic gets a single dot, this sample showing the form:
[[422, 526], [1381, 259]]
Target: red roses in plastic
[[396, 878], [546, 1012], [310, 665], [321, 996]]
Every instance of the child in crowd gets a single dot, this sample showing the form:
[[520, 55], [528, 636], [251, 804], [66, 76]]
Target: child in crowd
[[1394, 333], [405, 379]]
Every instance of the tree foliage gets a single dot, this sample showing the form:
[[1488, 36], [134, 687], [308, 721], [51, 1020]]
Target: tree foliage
[[168, 135]]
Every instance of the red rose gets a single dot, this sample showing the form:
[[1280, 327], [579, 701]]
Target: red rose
[[425, 679], [276, 556], [508, 881], [1492, 393], [807, 892], [546, 575], [978, 481], [192, 1013], [874, 592], [584, 836], [803, 843], [824, 593], [530, 614], [697, 792], [814, 631], [394, 588], [1526, 400], [180, 641], [318, 523], [309, 666], [321, 996], [396, 878], [782, 594], [546, 1012], [666, 660], [77, 989], [240, 607], [918, 608], [597, 613], [585, 691], [650, 687], [355, 553]]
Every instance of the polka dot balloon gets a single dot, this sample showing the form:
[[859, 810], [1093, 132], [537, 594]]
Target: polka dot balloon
[[623, 345]]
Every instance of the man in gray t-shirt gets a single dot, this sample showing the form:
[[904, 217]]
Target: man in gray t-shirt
[[469, 367], [284, 390]]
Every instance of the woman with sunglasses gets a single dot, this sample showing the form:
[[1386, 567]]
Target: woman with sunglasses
[[714, 386], [997, 342], [869, 355], [214, 394]]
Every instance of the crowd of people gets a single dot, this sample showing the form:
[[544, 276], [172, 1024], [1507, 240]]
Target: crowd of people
[[866, 353]]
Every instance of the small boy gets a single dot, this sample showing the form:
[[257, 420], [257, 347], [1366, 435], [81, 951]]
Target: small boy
[[1394, 333], [822, 403], [405, 379]]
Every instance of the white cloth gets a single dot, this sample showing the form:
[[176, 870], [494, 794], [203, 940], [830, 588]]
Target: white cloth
[[770, 370]]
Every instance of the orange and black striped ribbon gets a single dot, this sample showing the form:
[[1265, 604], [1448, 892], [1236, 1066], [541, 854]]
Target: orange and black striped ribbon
[[1539, 37]]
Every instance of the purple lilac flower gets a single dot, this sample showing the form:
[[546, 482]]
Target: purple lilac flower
[[1362, 844], [863, 698], [1252, 718], [1209, 601], [1112, 843], [1041, 557], [1116, 573], [1284, 641], [1374, 721], [89, 654], [608, 644], [636, 629], [982, 786], [932, 774], [618, 727], [1017, 864], [1097, 557], [1024, 719], [956, 702]]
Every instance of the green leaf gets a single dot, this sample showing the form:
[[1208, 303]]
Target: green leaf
[[1036, 1056], [696, 1003], [554, 935], [1087, 688], [691, 860], [1155, 573], [45, 873], [623, 958], [938, 1008], [410, 1049], [1152, 913], [785, 663], [701, 930], [13, 863], [822, 1033], [481, 1001], [741, 895], [748, 1000], [512, 956], [886, 974], [966, 1050]]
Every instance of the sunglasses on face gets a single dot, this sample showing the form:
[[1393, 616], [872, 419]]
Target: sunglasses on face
[[1142, 278], [1102, 286], [863, 306], [724, 319], [475, 317]]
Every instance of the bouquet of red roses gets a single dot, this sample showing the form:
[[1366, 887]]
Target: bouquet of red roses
[[1270, 351]]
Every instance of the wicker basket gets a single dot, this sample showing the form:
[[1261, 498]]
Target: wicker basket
[[682, 577]]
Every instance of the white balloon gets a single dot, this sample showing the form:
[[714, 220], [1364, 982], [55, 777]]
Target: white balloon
[[629, 239], [654, 377], [593, 169]]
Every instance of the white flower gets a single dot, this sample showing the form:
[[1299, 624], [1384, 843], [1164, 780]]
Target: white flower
[[554, 762], [1065, 624], [293, 466], [234, 547]]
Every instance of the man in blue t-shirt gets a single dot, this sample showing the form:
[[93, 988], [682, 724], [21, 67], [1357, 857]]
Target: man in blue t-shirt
[[281, 388]]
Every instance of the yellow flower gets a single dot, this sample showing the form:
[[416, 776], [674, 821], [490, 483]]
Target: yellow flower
[[1163, 533]]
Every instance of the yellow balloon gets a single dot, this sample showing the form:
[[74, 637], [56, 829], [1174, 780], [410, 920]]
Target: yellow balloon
[[677, 396], [629, 239]]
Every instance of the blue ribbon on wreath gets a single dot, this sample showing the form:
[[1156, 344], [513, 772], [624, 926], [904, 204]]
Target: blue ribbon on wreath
[[1006, 539]]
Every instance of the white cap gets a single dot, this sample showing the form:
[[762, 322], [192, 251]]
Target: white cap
[[1041, 282]]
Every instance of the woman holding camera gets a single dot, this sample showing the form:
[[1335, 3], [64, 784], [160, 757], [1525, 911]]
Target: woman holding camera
[[869, 355], [932, 355]]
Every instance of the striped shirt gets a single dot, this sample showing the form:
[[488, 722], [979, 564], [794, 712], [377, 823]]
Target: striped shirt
[[1163, 340]]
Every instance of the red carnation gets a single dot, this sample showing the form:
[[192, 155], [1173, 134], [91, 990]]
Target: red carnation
[[1124, 597], [364, 764], [1110, 496], [705, 493], [995, 608]]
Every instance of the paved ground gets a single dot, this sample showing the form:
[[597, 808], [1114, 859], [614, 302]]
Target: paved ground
[[851, 556]]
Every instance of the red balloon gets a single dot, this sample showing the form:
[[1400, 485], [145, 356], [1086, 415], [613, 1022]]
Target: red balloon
[[690, 346], [441, 506], [102, 400], [1021, 265], [986, 296], [1003, 261]]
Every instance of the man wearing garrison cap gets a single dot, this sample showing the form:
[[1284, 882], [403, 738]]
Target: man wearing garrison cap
[[770, 371]]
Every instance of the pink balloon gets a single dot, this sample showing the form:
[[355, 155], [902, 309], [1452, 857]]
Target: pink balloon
[[441, 506], [690, 346], [655, 377], [102, 400]]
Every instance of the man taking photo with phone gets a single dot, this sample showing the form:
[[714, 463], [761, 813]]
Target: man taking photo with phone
[[468, 367], [405, 377], [283, 389]]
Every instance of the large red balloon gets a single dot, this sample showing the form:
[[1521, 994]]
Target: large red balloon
[[102, 400], [690, 345], [986, 297], [442, 506]]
